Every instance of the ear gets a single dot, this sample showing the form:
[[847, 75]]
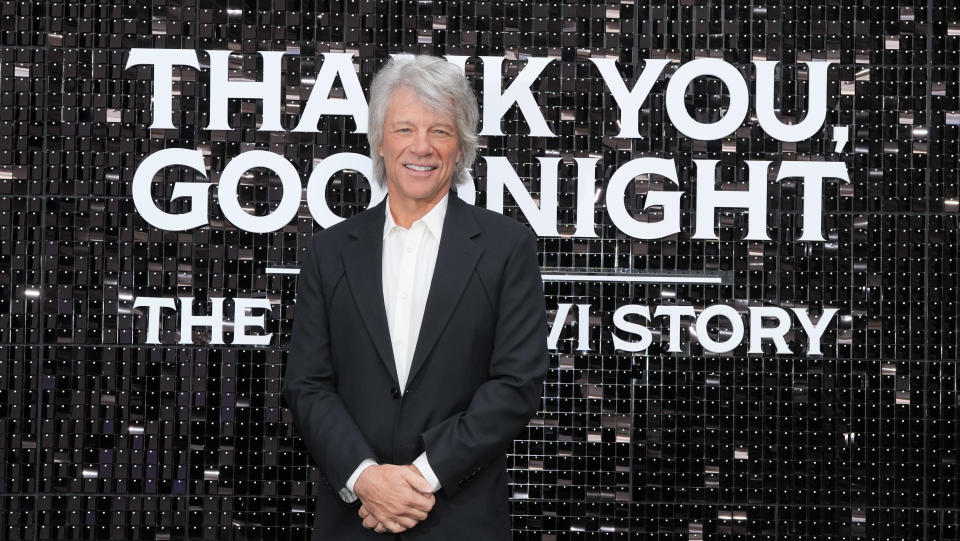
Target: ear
[[380, 149]]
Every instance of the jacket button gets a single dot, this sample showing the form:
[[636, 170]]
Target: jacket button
[[395, 392]]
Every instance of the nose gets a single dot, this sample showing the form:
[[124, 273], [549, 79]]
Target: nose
[[421, 144]]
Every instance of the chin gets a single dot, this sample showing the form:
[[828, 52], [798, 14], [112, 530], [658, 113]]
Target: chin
[[423, 195], [420, 190]]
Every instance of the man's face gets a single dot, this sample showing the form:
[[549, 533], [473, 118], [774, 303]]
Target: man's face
[[420, 148]]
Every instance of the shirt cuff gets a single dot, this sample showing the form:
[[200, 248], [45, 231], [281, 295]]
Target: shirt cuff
[[426, 471], [347, 494]]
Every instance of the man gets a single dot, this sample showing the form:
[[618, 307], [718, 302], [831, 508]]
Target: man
[[419, 339]]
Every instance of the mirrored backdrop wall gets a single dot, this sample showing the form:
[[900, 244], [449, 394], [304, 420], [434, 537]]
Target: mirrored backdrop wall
[[116, 424]]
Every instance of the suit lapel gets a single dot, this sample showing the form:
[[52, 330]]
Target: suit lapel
[[363, 262], [457, 256]]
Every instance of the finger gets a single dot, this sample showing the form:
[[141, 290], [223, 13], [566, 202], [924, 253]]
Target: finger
[[370, 522], [414, 514], [363, 512], [380, 528], [406, 522], [421, 502], [394, 526], [417, 480], [401, 511]]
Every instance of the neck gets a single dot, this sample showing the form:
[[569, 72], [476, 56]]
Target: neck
[[407, 211]]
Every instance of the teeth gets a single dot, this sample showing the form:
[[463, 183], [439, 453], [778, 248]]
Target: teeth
[[420, 167]]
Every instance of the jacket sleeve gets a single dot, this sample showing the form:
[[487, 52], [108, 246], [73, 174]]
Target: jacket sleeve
[[310, 384], [460, 445]]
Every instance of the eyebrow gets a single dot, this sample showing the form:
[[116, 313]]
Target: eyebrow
[[404, 122]]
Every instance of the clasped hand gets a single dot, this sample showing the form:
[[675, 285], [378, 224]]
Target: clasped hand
[[395, 498]]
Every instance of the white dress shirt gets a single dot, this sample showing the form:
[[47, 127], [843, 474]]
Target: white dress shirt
[[409, 257]]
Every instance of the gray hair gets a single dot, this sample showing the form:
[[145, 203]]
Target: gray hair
[[438, 85]]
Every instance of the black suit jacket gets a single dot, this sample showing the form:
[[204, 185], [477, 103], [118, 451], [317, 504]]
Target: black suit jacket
[[475, 379]]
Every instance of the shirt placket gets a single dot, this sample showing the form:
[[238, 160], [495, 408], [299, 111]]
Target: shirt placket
[[410, 247]]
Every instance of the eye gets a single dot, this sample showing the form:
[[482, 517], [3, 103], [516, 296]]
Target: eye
[[442, 131]]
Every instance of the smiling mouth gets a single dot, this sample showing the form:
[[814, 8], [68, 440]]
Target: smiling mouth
[[421, 168]]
